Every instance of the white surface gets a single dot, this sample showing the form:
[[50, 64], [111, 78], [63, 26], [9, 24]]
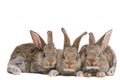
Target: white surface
[[76, 16]]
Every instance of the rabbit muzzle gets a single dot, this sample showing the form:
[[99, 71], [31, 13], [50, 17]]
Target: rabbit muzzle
[[92, 64], [68, 66], [49, 64]]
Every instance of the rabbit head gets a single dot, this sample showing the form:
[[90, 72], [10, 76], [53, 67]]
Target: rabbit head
[[48, 50], [71, 60], [93, 55]]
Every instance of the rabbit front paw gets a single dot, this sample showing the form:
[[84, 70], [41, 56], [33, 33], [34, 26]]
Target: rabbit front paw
[[14, 70], [111, 72], [101, 74], [53, 73], [79, 74], [86, 74]]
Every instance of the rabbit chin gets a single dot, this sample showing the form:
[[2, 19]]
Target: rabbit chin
[[92, 67], [70, 70]]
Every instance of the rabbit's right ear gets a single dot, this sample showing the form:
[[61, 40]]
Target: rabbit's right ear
[[66, 38], [50, 38], [91, 38], [38, 41]]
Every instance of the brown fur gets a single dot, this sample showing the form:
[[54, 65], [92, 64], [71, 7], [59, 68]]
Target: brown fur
[[98, 55], [27, 60], [69, 63], [31, 57]]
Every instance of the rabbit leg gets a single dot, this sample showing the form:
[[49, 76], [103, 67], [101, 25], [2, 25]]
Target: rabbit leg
[[87, 74], [79, 74], [101, 74], [17, 65], [111, 71], [13, 69], [53, 73]]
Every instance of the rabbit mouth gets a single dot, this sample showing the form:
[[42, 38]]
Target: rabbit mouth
[[91, 67], [71, 70]]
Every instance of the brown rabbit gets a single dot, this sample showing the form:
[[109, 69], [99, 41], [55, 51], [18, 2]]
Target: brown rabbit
[[49, 60], [37, 57], [97, 58], [69, 62]]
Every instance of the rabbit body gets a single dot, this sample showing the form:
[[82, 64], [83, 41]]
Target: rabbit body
[[98, 59], [37, 57], [68, 62], [23, 58]]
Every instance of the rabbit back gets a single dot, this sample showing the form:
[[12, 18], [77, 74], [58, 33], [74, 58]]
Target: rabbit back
[[21, 56]]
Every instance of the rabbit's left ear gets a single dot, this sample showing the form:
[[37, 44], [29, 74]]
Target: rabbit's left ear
[[77, 40], [104, 40]]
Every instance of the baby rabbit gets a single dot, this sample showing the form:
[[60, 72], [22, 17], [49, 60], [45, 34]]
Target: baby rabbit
[[68, 62], [49, 59], [97, 58], [37, 57]]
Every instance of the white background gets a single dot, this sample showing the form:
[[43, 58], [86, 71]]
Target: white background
[[17, 17]]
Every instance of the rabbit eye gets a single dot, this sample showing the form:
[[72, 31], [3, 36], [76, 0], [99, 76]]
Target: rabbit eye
[[99, 55], [85, 55], [77, 57], [63, 57], [43, 54]]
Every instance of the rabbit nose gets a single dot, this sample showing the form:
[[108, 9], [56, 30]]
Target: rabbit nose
[[69, 66], [93, 64], [51, 66], [66, 66]]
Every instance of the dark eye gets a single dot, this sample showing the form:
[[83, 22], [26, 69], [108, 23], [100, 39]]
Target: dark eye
[[99, 55], [63, 57], [78, 56], [85, 55], [43, 54]]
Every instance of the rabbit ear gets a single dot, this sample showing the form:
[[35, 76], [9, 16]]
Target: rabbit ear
[[77, 40], [91, 38], [66, 38], [104, 40], [50, 38], [38, 41]]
